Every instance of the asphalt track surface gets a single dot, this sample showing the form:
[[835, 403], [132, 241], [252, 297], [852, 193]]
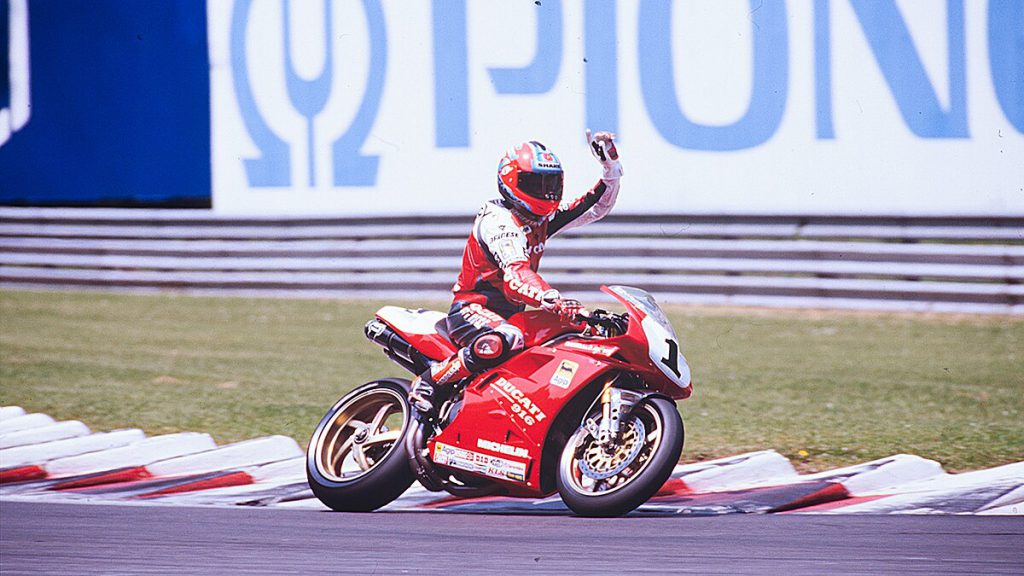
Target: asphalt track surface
[[52, 538]]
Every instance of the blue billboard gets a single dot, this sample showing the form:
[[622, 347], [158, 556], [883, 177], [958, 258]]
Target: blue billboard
[[108, 104]]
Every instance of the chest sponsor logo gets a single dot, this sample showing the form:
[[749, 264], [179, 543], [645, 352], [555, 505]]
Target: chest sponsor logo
[[502, 234], [508, 251], [521, 404]]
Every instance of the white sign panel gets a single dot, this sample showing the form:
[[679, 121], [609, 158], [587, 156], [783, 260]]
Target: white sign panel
[[16, 111], [906, 107]]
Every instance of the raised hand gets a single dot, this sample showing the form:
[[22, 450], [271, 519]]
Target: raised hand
[[602, 146]]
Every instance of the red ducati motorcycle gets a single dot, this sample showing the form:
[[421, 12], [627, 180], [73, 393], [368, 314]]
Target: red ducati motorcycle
[[588, 413]]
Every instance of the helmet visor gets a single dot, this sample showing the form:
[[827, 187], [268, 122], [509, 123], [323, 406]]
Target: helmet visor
[[541, 186]]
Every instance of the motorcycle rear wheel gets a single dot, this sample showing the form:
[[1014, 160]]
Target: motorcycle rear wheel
[[356, 461], [642, 460]]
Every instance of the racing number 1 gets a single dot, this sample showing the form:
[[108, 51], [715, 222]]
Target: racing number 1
[[672, 360]]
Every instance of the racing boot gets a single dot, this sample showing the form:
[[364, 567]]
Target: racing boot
[[429, 386]]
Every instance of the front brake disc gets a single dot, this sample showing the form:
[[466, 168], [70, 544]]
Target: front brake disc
[[596, 463]]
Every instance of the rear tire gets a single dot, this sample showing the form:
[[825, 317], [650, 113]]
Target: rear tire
[[356, 460], [643, 471]]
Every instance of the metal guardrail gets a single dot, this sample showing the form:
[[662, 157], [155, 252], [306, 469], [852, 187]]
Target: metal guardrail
[[971, 264]]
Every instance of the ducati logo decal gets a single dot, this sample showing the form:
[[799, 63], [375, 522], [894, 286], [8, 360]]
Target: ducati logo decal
[[521, 405]]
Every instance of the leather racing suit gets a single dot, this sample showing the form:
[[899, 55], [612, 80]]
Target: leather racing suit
[[500, 261], [499, 278], [499, 268]]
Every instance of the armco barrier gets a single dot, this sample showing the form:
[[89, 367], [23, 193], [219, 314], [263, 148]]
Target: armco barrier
[[973, 264]]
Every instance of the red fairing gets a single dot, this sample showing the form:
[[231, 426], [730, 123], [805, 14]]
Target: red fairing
[[508, 413], [539, 326], [503, 428], [433, 346]]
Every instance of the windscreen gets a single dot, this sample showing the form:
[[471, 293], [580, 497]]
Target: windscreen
[[645, 302], [662, 342]]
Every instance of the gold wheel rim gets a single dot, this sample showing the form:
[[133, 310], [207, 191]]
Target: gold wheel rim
[[361, 435]]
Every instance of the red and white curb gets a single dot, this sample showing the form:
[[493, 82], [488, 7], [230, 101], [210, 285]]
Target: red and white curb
[[41, 459]]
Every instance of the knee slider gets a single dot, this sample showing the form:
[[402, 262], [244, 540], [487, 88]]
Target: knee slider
[[513, 337], [490, 349]]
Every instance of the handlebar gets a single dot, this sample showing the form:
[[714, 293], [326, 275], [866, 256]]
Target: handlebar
[[606, 323]]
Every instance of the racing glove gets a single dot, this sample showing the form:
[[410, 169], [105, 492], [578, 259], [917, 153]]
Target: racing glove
[[602, 146], [566, 308]]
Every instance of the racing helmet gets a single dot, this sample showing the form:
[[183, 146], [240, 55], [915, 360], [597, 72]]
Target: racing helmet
[[530, 179]]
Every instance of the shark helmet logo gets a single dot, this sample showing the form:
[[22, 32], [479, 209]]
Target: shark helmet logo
[[15, 103], [263, 52]]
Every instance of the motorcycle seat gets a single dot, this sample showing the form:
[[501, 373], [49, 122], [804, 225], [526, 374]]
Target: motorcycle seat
[[441, 327], [421, 328]]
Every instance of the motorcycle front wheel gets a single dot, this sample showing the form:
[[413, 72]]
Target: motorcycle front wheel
[[612, 480], [356, 461]]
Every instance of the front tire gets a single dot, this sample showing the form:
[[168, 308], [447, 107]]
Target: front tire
[[593, 481], [356, 461]]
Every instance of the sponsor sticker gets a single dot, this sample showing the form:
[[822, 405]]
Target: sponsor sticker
[[564, 374], [548, 160], [478, 309], [500, 448], [592, 348], [470, 461], [508, 251]]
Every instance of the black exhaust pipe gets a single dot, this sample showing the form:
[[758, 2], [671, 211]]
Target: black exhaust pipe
[[398, 349]]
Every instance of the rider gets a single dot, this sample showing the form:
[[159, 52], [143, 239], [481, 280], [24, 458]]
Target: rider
[[499, 265]]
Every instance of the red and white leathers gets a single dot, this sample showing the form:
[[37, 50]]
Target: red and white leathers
[[502, 255], [500, 261], [499, 273]]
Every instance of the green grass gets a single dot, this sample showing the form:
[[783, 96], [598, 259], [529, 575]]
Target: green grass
[[842, 387]]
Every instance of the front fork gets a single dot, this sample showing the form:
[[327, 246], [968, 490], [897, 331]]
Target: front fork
[[616, 405]]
